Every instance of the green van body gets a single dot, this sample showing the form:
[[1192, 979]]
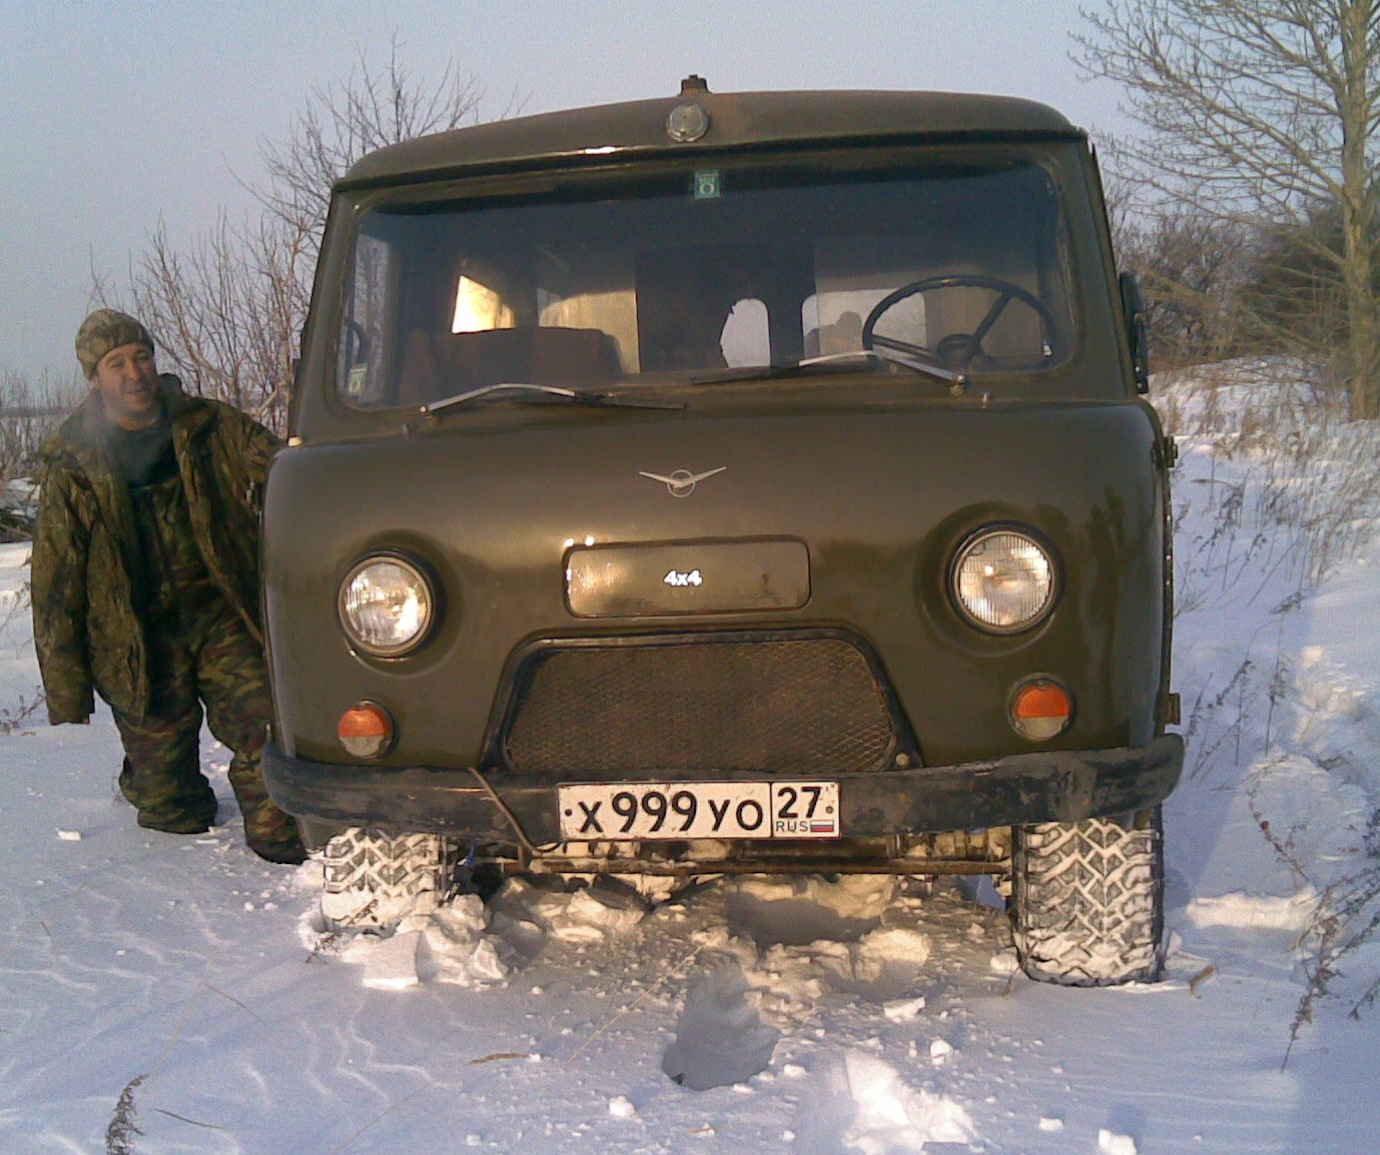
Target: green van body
[[691, 418]]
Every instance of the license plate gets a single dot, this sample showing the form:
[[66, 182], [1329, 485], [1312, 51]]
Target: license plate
[[673, 810]]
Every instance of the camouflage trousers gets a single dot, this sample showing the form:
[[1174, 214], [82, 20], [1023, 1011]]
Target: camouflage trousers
[[217, 662]]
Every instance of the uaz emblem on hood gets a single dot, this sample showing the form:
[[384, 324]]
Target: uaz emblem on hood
[[682, 482]]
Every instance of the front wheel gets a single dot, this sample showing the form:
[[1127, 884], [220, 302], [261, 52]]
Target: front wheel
[[1088, 900], [372, 878]]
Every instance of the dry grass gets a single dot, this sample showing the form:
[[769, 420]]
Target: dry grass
[[1305, 491], [119, 1134], [1292, 493]]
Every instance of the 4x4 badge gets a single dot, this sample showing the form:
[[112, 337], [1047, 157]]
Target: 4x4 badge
[[682, 482]]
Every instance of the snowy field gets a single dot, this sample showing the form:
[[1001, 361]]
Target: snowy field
[[163, 994]]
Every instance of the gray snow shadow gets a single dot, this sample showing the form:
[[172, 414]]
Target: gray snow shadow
[[827, 1114], [720, 1040], [791, 922]]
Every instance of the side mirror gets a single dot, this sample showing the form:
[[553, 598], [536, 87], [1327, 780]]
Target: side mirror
[[1133, 309]]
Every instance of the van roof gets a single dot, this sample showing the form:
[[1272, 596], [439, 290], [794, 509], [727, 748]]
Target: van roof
[[736, 121]]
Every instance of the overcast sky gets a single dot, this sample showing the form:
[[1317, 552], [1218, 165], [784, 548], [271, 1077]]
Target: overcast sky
[[114, 116]]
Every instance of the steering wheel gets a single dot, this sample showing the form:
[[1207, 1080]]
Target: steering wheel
[[959, 350]]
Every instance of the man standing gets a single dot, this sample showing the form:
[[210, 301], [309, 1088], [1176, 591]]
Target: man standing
[[146, 583]]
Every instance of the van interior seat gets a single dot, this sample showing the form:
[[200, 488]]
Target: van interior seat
[[437, 365]]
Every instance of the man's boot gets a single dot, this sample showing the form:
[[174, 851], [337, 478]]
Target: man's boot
[[270, 833], [172, 803]]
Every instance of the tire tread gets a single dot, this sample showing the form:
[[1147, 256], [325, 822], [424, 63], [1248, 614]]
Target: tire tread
[[1088, 901]]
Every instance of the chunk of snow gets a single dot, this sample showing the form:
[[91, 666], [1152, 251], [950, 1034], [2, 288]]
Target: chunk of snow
[[1110, 1143], [586, 915], [867, 1106], [1050, 1123], [390, 964], [860, 896], [1005, 963], [476, 965], [889, 946], [448, 945], [620, 1107], [940, 1052], [454, 947], [69, 835], [903, 1010], [1255, 912]]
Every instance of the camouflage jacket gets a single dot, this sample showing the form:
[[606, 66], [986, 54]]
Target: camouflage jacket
[[86, 630]]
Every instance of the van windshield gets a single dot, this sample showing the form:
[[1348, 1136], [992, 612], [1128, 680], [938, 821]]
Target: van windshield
[[663, 276]]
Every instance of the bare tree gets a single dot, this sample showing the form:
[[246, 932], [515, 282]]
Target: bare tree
[[1258, 111], [1292, 293], [228, 309], [1193, 269], [221, 311], [28, 413]]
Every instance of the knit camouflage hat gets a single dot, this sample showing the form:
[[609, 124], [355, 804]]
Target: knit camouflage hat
[[104, 330]]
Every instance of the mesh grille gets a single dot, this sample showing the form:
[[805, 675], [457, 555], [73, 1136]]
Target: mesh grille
[[807, 706]]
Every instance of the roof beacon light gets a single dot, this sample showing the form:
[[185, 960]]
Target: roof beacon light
[[688, 122]]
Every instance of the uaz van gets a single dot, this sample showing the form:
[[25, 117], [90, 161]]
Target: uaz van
[[731, 483]]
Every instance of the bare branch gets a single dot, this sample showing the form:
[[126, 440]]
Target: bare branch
[[228, 309], [1259, 113]]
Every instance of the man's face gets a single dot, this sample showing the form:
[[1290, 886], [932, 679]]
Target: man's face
[[127, 381]]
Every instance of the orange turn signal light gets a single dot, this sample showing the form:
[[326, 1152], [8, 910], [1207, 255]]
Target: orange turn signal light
[[365, 730], [1041, 708]]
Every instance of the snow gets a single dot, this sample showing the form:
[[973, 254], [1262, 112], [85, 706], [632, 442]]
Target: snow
[[1293, 912], [1110, 1143], [180, 986]]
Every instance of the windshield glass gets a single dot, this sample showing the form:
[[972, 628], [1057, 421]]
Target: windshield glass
[[663, 276]]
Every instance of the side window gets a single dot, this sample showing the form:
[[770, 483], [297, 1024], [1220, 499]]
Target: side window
[[841, 328], [365, 339], [589, 286], [746, 337], [852, 276], [479, 308]]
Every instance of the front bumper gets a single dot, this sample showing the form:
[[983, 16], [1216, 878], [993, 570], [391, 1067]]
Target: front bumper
[[1053, 786]]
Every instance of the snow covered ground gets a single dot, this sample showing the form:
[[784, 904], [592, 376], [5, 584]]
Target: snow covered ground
[[179, 985]]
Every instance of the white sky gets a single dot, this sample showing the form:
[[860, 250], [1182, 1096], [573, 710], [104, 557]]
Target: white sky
[[114, 116]]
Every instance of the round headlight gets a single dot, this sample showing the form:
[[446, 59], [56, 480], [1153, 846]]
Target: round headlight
[[386, 606], [1003, 581]]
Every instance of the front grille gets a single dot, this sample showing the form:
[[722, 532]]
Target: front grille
[[801, 706]]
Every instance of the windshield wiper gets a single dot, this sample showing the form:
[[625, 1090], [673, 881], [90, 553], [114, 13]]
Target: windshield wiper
[[955, 380], [841, 362], [577, 396]]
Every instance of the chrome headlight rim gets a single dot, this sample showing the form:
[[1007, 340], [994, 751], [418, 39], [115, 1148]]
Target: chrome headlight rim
[[423, 587], [985, 621]]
